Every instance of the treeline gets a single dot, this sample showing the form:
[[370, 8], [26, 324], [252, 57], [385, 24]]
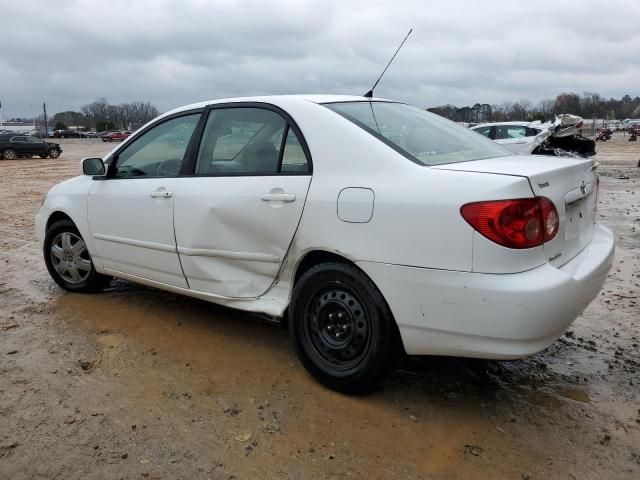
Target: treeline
[[101, 115], [587, 105]]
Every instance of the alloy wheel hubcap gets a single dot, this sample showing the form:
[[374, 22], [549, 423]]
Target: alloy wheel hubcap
[[70, 257]]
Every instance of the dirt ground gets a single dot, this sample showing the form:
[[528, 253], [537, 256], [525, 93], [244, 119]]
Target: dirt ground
[[138, 383]]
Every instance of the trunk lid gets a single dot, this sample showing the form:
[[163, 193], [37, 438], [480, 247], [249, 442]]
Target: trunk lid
[[570, 183]]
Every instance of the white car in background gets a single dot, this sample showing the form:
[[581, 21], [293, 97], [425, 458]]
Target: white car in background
[[371, 226], [560, 138], [518, 137]]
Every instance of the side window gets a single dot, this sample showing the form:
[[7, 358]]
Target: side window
[[241, 141], [505, 132], [158, 152], [517, 132], [483, 131], [18, 140], [293, 157]]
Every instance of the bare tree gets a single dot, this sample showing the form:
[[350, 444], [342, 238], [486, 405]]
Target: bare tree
[[124, 116]]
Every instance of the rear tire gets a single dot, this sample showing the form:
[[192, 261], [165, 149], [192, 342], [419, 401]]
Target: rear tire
[[68, 260], [342, 329]]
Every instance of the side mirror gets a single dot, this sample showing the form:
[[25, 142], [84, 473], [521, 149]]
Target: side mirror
[[93, 167]]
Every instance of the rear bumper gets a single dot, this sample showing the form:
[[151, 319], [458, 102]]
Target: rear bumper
[[500, 316]]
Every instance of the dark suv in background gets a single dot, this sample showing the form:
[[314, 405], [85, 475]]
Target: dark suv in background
[[68, 134], [13, 146]]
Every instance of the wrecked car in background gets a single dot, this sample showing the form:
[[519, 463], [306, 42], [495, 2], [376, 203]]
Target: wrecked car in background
[[561, 137]]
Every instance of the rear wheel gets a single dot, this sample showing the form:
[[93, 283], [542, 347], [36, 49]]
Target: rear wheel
[[342, 329], [68, 260], [9, 154], [54, 152]]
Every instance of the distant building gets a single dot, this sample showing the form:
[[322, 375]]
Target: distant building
[[19, 127]]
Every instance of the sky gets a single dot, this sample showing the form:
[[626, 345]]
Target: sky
[[171, 53]]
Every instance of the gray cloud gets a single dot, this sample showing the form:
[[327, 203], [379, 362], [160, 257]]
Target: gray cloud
[[176, 52]]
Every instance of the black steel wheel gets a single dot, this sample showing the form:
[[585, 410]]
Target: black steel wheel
[[342, 329], [68, 260]]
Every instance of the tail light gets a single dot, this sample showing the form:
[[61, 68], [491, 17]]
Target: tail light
[[519, 223]]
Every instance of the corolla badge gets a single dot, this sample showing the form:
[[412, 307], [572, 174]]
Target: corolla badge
[[582, 186]]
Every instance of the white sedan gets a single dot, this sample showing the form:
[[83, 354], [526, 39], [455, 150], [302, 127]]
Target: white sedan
[[371, 226], [519, 137]]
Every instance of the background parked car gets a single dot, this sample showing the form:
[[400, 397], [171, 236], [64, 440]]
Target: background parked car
[[518, 137], [561, 137], [115, 136], [15, 146], [68, 134]]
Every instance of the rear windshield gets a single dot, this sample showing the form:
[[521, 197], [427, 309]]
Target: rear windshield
[[421, 136]]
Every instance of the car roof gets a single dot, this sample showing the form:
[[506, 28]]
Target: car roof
[[279, 100]]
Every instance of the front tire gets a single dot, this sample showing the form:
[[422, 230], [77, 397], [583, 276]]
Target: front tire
[[9, 154], [54, 153], [68, 260], [342, 329]]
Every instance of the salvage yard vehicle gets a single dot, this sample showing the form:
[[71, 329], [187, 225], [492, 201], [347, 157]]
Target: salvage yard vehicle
[[603, 134], [561, 137], [370, 226], [68, 134], [114, 136], [14, 146]]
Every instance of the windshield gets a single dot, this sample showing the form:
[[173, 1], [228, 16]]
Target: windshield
[[421, 136]]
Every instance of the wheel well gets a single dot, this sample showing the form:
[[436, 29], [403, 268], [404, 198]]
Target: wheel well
[[56, 217], [316, 257]]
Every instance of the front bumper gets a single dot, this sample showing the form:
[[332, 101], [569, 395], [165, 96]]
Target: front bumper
[[500, 316]]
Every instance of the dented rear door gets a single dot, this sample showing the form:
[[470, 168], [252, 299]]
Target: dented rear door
[[233, 232], [236, 217]]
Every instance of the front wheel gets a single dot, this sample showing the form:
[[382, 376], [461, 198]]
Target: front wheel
[[342, 329], [68, 260], [9, 154], [54, 152]]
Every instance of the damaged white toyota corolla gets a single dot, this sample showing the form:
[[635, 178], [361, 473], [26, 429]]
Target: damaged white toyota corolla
[[372, 226]]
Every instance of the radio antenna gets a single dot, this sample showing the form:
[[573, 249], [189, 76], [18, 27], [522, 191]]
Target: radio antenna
[[369, 94]]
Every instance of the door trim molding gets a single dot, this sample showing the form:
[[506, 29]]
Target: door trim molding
[[190, 252], [205, 252], [136, 243]]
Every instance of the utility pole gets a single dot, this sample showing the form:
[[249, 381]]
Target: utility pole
[[46, 128], [0, 113]]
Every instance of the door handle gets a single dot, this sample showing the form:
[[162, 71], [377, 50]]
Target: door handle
[[161, 194], [278, 197]]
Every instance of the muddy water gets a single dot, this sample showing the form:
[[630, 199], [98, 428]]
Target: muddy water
[[135, 383]]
